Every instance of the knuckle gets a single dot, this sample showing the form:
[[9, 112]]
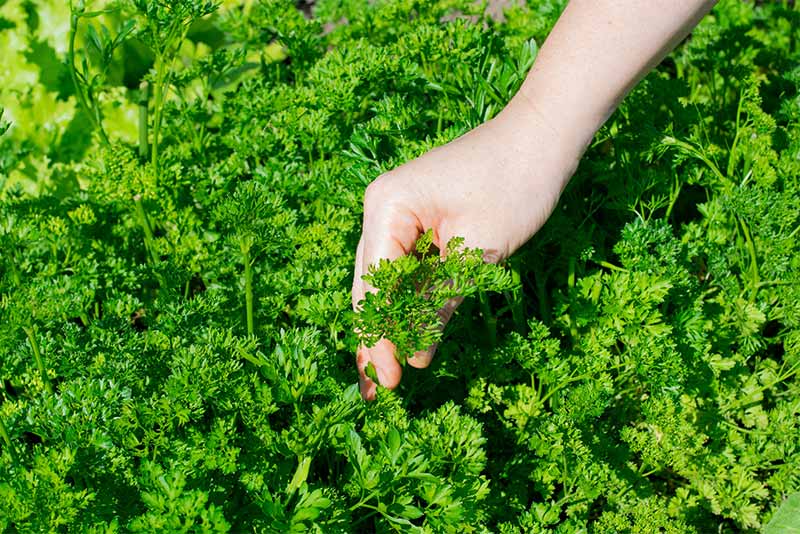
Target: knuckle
[[390, 382], [377, 192], [420, 360]]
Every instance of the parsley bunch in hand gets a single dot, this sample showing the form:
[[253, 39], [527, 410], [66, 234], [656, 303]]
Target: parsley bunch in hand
[[489, 187]]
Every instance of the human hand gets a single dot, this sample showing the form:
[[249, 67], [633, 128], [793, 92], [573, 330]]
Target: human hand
[[494, 186]]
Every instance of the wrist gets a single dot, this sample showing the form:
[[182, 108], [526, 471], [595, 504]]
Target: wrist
[[568, 130], [554, 146]]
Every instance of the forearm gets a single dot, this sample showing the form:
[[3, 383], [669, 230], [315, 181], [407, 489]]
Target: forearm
[[595, 54]]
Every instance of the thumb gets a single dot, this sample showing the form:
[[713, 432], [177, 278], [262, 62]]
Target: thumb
[[389, 231]]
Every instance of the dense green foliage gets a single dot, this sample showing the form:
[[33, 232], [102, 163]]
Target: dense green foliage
[[412, 290], [176, 348]]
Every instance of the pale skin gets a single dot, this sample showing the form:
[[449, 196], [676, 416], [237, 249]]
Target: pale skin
[[496, 185]]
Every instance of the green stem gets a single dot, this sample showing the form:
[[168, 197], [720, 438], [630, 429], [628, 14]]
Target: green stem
[[607, 265], [172, 42], [248, 292], [4, 434], [540, 279], [732, 154], [158, 102], [791, 372], [363, 504], [200, 137], [515, 300], [37, 356], [714, 88], [333, 328], [567, 488], [571, 273], [364, 517], [148, 231], [573, 327], [751, 249], [488, 318], [143, 146], [573, 378], [6, 439], [673, 198], [648, 473], [15, 273], [697, 153], [73, 32]]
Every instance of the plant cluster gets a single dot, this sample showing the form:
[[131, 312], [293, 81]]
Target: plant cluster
[[412, 290], [180, 199]]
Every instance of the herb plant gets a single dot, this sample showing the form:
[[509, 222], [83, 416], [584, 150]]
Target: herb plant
[[412, 290]]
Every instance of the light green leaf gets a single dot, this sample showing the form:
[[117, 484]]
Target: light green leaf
[[787, 519], [300, 475]]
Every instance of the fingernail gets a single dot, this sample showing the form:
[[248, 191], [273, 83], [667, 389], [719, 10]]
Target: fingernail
[[367, 390]]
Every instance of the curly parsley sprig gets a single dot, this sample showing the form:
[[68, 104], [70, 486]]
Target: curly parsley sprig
[[412, 289]]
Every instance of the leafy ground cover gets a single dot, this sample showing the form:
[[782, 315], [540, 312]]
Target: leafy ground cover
[[180, 196]]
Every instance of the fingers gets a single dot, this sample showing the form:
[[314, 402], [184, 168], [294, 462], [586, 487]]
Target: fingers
[[389, 232], [422, 359], [367, 387], [388, 370], [382, 357]]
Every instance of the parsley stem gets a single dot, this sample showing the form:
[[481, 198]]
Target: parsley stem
[[6, 439], [146, 228], [37, 356], [540, 279], [515, 299], [143, 145], [751, 249], [164, 59], [571, 273], [15, 276], [248, 291], [364, 517], [695, 152], [611, 266], [781, 378], [673, 195], [488, 317], [158, 104], [79, 90], [567, 487], [363, 502], [371, 507], [4, 434], [732, 157], [650, 472]]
